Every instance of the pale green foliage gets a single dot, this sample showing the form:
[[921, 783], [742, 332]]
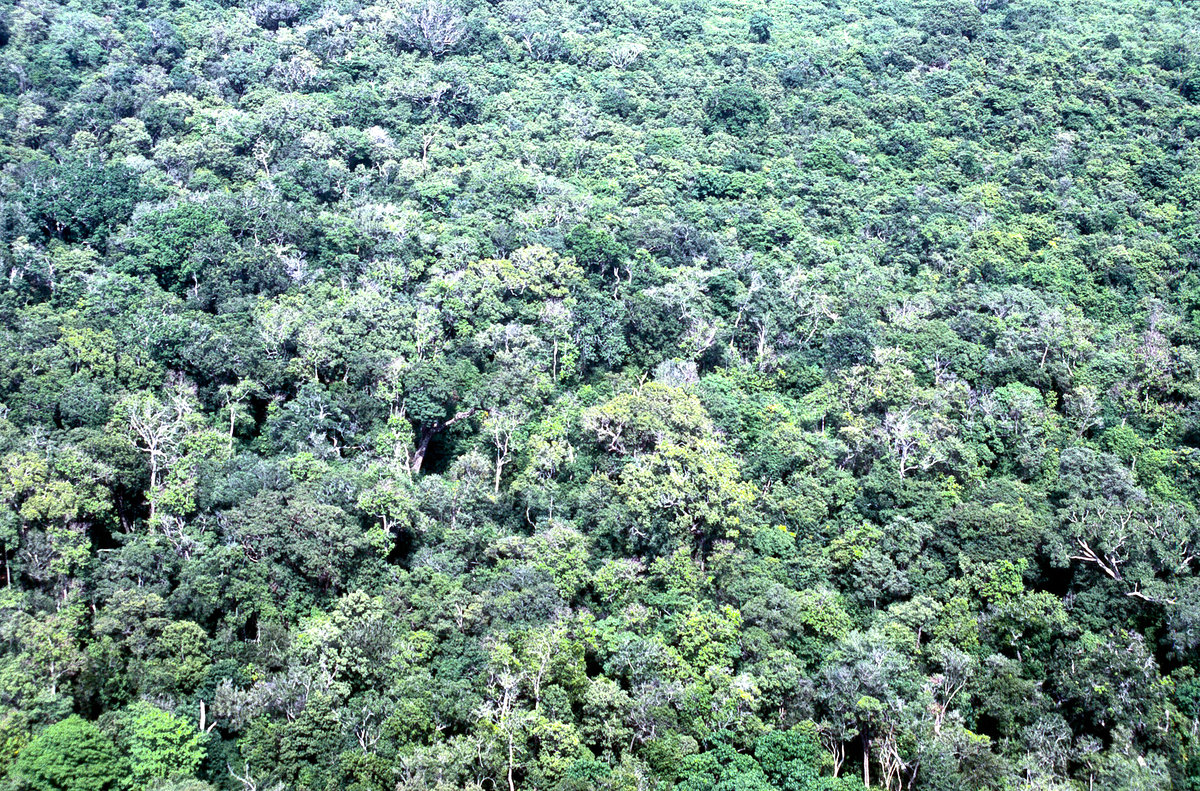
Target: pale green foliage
[[160, 745]]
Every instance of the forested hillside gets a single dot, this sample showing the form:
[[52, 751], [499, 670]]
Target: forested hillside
[[630, 395]]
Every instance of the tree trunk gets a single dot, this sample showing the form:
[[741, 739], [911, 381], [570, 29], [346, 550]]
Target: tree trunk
[[511, 785], [866, 760], [153, 493], [428, 432], [419, 456]]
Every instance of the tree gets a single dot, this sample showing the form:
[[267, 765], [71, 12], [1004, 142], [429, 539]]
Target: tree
[[309, 744], [682, 493], [505, 719], [181, 659], [71, 755], [1110, 524], [61, 492], [606, 710], [737, 109], [639, 421], [957, 669], [503, 425], [80, 199], [433, 400], [433, 26], [793, 760], [760, 26], [235, 397], [160, 745], [159, 428], [863, 689], [291, 537]]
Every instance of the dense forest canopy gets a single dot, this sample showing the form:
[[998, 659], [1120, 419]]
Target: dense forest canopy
[[640, 395]]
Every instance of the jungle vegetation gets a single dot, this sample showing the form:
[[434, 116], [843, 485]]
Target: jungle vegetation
[[630, 395]]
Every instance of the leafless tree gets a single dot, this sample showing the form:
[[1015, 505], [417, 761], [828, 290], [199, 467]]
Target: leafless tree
[[431, 26], [158, 427]]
